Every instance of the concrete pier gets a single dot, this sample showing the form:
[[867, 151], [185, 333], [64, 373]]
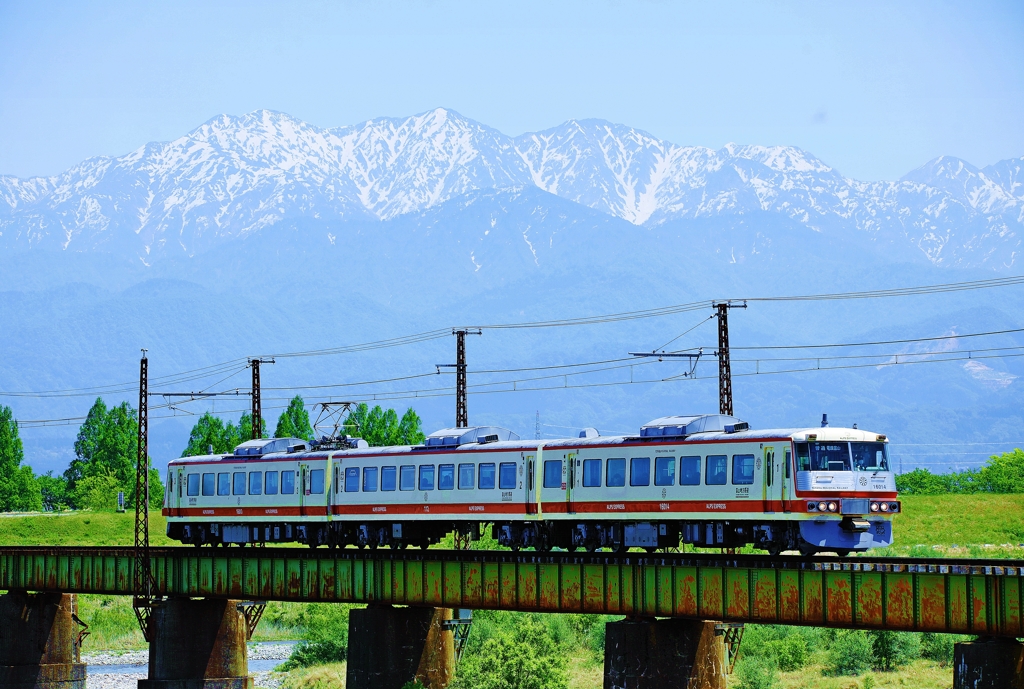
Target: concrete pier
[[663, 654], [386, 646], [39, 642], [197, 644], [988, 664]]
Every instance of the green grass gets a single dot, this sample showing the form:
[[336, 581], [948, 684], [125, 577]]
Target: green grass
[[79, 528], [960, 520]]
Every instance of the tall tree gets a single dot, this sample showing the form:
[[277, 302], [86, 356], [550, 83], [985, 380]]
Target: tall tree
[[245, 427], [107, 444], [19, 489], [211, 432], [294, 421], [380, 427]]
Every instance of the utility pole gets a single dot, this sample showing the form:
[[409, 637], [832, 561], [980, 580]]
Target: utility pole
[[461, 407], [143, 577], [257, 410], [724, 367]]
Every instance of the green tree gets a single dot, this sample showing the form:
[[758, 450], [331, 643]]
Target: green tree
[[524, 658], [294, 421], [107, 443], [54, 491], [1004, 473], [380, 427], [97, 492], [850, 653], [245, 428], [19, 489], [893, 650], [211, 432]]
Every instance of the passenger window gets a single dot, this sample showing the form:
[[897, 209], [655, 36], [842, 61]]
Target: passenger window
[[287, 482], [742, 470], [238, 483], [689, 471], [370, 479], [407, 478], [615, 474], [467, 472], [664, 471], [270, 483], [352, 480], [224, 484], [193, 484], [446, 477], [640, 471], [255, 483], [553, 473], [426, 477], [316, 482], [591, 473], [507, 475], [487, 476], [715, 474], [209, 484], [388, 478]]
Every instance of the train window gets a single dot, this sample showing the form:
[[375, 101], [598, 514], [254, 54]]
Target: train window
[[615, 474], [664, 471], [388, 476], [316, 482], [553, 473], [640, 471], [507, 475], [224, 484], [789, 458], [467, 473], [352, 480], [831, 456], [446, 477], [742, 469], [689, 471], [270, 483], [209, 484], [426, 477], [238, 483], [193, 484], [255, 483], [591, 473], [287, 482], [370, 479], [869, 457], [715, 474], [407, 479], [487, 476]]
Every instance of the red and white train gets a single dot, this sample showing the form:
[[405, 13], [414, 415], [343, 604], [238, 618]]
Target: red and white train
[[707, 480]]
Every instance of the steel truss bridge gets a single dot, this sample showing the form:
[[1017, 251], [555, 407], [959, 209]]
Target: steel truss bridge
[[982, 597]]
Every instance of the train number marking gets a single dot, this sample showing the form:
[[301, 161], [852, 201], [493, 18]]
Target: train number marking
[[715, 506]]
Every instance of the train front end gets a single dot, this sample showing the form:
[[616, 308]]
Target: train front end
[[845, 489]]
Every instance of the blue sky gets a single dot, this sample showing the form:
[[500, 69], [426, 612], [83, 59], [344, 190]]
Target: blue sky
[[874, 89]]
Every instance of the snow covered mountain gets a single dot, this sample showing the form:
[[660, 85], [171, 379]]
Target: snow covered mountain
[[235, 176]]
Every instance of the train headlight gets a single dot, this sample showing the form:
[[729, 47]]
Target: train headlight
[[894, 506], [811, 506], [822, 507], [874, 507], [832, 507], [885, 507]]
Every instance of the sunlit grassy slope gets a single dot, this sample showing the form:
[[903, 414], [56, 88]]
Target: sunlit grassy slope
[[79, 528]]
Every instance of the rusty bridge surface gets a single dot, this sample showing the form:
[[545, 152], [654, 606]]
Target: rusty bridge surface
[[964, 596]]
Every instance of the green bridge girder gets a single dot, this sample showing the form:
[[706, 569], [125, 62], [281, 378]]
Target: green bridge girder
[[981, 597]]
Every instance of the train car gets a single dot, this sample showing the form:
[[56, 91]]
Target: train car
[[708, 480]]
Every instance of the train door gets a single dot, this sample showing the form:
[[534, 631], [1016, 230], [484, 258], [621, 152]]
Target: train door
[[772, 482], [530, 484], [180, 479], [784, 479], [304, 489], [570, 481]]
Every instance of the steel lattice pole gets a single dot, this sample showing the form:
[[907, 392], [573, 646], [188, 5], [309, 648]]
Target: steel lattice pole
[[257, 411], [461, 408], [143, 580], [724, 368]]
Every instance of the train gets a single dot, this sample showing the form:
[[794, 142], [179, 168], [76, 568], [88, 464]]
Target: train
[[708, 480]]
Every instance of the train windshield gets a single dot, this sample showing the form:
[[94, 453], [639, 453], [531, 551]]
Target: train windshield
[[869, 456], [828, 456]]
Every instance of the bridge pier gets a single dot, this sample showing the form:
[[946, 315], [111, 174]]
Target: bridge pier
[[197, 644], [40, 642], [388, 647], [663, 654], [988, 664]]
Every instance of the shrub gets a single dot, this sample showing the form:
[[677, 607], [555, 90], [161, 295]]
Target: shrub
[[850, 653], [939, 647], [893, 650], [525, 658], [97, 493], [326, 626], [790, 652], [757, 672]]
